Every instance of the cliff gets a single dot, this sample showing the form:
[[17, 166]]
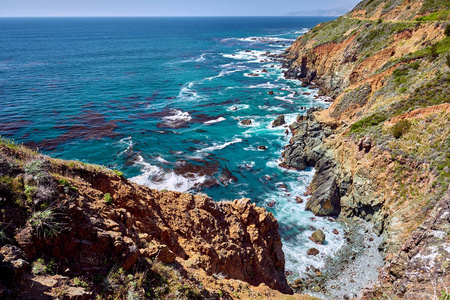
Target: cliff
[[381, 150], [76, 231]]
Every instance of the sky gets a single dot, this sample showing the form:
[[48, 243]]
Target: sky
[[47, 8]]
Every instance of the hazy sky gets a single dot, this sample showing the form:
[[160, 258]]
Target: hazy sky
[[162, 7]]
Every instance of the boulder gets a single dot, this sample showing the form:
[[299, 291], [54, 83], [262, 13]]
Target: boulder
[[165, 255], [318, 237], [313, 251], [246, 122], [262, 147], [270, 92], [279, 121]]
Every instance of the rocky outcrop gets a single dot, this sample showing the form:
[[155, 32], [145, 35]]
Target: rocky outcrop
[[233, 240], [304, 149], [278, 121]]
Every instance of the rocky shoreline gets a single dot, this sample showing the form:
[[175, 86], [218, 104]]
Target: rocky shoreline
[[366, 171], [346, 274]]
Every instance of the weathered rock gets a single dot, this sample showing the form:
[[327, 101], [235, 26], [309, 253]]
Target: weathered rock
[[246, 122], [325, 197], [313, 251], [279, 121], [270, 92], [318, 237], [165, 255], [298, 199]]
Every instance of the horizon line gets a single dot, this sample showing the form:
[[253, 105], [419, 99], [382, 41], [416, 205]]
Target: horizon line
[[286, 16]]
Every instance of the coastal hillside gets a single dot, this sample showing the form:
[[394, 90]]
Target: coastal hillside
[[382, 149], [71, 230]]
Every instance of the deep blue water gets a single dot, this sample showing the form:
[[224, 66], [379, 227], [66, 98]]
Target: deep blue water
[[161, 99]]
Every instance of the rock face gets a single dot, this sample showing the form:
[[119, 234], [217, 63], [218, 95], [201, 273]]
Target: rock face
[[278, 121], [237, 240], [304, 147], [325, 197]]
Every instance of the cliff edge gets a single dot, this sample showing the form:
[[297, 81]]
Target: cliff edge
[[77, 231]]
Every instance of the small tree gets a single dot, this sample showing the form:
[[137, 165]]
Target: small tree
[[400, 128]]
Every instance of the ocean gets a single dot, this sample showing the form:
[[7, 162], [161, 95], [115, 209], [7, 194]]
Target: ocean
[[162, 100]]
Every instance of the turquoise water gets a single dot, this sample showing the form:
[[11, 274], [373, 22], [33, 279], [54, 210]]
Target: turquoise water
[[162, 99]]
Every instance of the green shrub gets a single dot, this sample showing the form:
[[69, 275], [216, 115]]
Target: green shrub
[[369, 121], [34, 167], [108, 198], [29, 192], [447, 60], [63, 182], [118, 173], [39, 267], [400, 128], [400, 72], [79, 282], [44, 223]]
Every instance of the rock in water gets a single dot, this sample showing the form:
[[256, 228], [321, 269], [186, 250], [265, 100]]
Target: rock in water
[[246, 122], [313, 251], [279, 121], [270, 93], [318, 237], [262, 147]]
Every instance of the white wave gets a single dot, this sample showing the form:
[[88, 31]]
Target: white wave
[[187, 92], [215, 121], [285, 99], [178, 116], [162, 160], [270, 108], [252, 56], [223, 73], [201, 58], [238, 107], [156, 178], [220, 146], [266, 85], [128, 142]]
